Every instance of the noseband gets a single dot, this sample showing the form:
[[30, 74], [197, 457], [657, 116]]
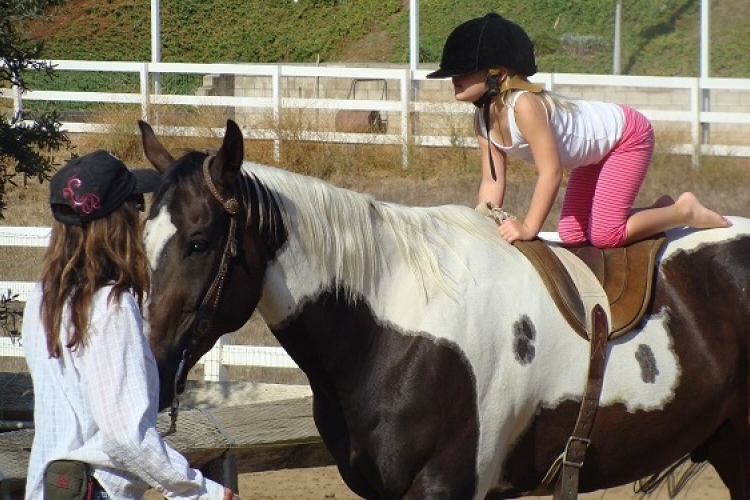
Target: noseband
[[209, 306]]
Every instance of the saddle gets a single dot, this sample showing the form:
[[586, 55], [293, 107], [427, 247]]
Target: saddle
[[619, 279]]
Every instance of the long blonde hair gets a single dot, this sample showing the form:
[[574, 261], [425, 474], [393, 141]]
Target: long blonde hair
[[551, 100], [82, 259]]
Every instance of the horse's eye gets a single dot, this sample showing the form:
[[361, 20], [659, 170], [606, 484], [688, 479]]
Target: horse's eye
[[197, 246]]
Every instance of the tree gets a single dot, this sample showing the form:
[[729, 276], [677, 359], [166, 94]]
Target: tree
[[27, 141]]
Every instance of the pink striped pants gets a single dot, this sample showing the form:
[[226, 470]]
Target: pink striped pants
[[599, 197]]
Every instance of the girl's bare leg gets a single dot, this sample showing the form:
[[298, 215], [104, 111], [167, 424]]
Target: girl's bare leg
[[685, 211], [662, 201]]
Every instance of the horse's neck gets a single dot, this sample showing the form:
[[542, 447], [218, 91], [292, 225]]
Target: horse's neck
[[277, 300]]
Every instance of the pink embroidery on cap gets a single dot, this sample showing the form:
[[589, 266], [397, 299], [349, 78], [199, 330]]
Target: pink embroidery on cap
[[86, 203]]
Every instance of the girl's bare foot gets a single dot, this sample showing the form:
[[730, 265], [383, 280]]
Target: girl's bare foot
[[697, 215]]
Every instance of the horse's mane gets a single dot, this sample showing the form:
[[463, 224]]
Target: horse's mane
[[315, 209]]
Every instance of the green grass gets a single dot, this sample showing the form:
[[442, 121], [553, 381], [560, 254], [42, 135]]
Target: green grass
[[659, 37]]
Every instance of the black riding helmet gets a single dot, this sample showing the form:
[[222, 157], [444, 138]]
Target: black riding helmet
[[486, 42]]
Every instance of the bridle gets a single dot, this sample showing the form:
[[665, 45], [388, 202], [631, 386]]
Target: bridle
[[209, 306]]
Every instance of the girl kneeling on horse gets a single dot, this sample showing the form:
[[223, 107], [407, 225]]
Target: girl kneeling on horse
[[607, 147]]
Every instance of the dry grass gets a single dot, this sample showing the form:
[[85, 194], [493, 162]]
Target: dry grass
[[437, 176]]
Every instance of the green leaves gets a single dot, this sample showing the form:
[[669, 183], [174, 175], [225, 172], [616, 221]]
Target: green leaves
[[27, 142]]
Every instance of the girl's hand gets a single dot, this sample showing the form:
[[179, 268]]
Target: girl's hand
[[513, 229], [229, 494]]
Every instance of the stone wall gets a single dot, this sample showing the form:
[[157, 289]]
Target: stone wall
[[441, 91]]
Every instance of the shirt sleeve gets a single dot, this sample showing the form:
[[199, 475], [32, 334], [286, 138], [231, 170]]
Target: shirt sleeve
[[121, 380]]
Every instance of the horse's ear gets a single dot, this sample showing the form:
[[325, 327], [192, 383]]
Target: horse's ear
[[232, 152], [155, 152]]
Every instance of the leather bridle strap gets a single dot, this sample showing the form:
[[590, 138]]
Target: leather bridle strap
[[579, 442], [231, 205], [209, 306]]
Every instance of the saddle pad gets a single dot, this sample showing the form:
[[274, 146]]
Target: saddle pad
[[589, 288], [558, 281]]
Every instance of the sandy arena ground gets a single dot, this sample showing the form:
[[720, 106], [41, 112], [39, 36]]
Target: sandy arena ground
[[325, 483]]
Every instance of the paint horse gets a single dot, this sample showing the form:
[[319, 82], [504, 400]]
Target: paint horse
[[439, 365]]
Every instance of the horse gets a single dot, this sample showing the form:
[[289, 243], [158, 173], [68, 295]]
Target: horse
[[438, 363]]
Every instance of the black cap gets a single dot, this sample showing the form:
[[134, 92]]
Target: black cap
[[94, 185], [485, 43]]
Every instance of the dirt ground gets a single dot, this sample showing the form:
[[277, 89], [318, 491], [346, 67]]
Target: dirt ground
[[325, 483]]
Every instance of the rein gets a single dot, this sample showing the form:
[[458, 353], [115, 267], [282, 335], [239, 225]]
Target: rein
[[210, 304]]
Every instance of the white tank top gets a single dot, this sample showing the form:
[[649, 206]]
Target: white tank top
[[584, 135]]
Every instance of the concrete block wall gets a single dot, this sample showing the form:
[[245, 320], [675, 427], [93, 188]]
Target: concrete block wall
[[646, 98], [219, 85], [438, 91]]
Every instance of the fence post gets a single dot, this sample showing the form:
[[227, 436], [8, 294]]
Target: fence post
[[695, 126], [550, 83], [276, 89], [17, 103], [407, 81], [213, 367], [145, 100]]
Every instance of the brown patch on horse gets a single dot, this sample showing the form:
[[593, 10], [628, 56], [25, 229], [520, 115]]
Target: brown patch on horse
[[371, 383], [625, 273], [524, 336], [646, 359]]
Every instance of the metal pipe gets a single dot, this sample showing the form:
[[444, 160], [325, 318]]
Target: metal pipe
[[14, 425]]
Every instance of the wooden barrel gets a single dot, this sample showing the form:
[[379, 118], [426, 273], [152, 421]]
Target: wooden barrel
[[360, 121]]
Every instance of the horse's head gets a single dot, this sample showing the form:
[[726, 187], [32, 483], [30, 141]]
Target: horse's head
[[202, 252]]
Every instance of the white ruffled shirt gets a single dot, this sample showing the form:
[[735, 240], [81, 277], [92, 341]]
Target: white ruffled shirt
[[98, 404]]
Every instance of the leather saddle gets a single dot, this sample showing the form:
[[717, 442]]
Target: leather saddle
[[625, 277]]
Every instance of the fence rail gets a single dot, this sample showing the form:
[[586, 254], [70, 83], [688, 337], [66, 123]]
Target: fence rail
[[714, 112], [214, 362]]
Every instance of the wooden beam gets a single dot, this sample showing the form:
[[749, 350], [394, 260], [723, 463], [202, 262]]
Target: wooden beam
[[260, 436]]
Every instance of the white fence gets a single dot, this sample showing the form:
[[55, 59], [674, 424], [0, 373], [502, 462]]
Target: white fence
[[713, 114], [214, 362]]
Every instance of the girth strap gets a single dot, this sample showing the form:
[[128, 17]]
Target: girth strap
[[578, 443]]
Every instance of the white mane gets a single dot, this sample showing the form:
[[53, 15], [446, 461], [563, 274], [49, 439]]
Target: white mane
[[316, 210]]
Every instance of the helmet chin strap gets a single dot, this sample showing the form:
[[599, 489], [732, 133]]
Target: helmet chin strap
[[493, 89], [484, 102], [485, 99]]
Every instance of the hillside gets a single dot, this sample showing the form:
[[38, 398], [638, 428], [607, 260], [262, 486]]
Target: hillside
[[659, 37]]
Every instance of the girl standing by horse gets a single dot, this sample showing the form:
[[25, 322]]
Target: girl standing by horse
[[96, 385], [607, 146]]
